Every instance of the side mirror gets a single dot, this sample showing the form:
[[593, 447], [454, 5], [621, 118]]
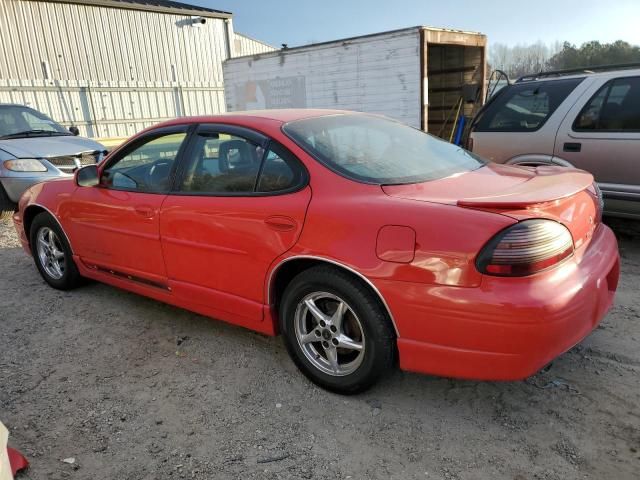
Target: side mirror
[[73, 129], [87, 176]]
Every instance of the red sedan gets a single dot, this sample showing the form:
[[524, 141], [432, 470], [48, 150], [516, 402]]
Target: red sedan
[[360, 240]]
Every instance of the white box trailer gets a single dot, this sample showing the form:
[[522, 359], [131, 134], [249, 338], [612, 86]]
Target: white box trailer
[[415, 75]]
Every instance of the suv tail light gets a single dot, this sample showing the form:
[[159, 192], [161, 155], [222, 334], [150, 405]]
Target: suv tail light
[[526, 248]]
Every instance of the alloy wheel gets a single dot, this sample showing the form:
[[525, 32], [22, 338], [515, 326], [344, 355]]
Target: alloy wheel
[[50, 253], [329, 333]]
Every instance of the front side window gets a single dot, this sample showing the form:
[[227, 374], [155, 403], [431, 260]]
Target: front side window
[[524, 107], [17, 121], [147, 167], [372, 149], [615, 107]]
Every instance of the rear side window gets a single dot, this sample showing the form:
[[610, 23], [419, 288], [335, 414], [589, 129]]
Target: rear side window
[[280, 171], [525, 107], [223, 164], [614, 108]]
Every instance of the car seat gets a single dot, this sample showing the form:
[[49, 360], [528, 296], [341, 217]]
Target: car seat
[[244, 160], [159, 176]]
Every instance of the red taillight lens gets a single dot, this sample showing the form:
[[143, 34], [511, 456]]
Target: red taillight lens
[[526, 248]]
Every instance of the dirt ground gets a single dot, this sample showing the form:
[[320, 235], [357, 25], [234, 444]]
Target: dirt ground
[[134, 389]]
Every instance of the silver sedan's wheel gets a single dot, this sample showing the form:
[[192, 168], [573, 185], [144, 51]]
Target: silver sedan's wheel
[[50, 253], [329, 333]]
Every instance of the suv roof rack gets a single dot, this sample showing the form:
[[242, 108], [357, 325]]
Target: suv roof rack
[[573, 71]]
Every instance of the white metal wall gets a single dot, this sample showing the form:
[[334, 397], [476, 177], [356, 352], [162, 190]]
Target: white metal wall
[[111, 71], [376, 74], [245, 45]]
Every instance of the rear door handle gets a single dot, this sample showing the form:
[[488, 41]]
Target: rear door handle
[[280, 223], [144, 211], [572, 147]]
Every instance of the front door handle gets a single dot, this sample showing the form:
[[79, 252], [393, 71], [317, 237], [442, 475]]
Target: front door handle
[[572, 147], [144, 211], [280, 223]]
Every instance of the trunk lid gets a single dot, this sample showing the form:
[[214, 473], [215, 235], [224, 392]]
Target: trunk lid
[[561, 194]]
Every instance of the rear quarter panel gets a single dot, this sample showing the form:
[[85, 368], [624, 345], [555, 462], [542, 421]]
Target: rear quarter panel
[[345, 219]]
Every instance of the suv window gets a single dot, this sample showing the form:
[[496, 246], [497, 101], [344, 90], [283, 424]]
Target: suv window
[[226, 164], [525, 107], [615, 107], [146, 168]]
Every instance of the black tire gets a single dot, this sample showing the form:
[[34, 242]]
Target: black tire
[[7, 207], [70, 277], [377, 340]]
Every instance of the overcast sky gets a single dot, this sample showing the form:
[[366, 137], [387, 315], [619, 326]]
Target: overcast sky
[[298, 22]]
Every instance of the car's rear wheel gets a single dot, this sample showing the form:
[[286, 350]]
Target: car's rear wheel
[[7, 207], [52, 253], [336, 330]]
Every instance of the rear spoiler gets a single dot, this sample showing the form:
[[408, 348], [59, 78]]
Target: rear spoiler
[[548, 186]]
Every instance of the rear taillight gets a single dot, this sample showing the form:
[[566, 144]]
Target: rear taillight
[[526, 248]]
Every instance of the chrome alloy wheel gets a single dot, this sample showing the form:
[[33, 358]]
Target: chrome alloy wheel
[[329, 334], [50, 253]]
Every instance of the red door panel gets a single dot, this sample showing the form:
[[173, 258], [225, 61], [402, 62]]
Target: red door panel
[[118, 230], [226, 244]]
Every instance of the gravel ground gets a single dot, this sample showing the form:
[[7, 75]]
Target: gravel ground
[[134, 389]]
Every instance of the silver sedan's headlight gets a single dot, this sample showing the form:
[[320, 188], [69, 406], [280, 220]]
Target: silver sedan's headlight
[[25, 165]]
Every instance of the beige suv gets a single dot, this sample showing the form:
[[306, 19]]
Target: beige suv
[[583, 119]]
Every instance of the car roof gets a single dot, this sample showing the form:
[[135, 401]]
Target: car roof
[[578, 73], [279, 115]]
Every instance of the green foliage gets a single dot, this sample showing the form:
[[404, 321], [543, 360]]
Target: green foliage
[[594, 53]]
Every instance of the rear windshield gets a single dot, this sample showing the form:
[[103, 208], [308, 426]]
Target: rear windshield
[[377, 150], [524, 107]]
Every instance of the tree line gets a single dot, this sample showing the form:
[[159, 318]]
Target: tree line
[[520, 60]]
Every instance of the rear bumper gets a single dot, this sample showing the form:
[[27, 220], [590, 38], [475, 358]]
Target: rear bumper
[[508, 328]]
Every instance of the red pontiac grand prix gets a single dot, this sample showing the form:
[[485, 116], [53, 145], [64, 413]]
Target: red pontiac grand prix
[[360, 240]]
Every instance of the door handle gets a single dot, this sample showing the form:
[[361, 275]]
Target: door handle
[[572, 147], [144, 211], [280, 223]]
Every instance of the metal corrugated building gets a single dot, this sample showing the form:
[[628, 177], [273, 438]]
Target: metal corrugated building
[[245, 45], [113, 67]]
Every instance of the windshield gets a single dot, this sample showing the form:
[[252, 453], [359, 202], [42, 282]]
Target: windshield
[[17, 121], [377, 150]]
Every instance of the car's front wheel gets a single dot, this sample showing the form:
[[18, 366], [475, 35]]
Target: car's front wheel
[[336, 330], [52, 253]]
